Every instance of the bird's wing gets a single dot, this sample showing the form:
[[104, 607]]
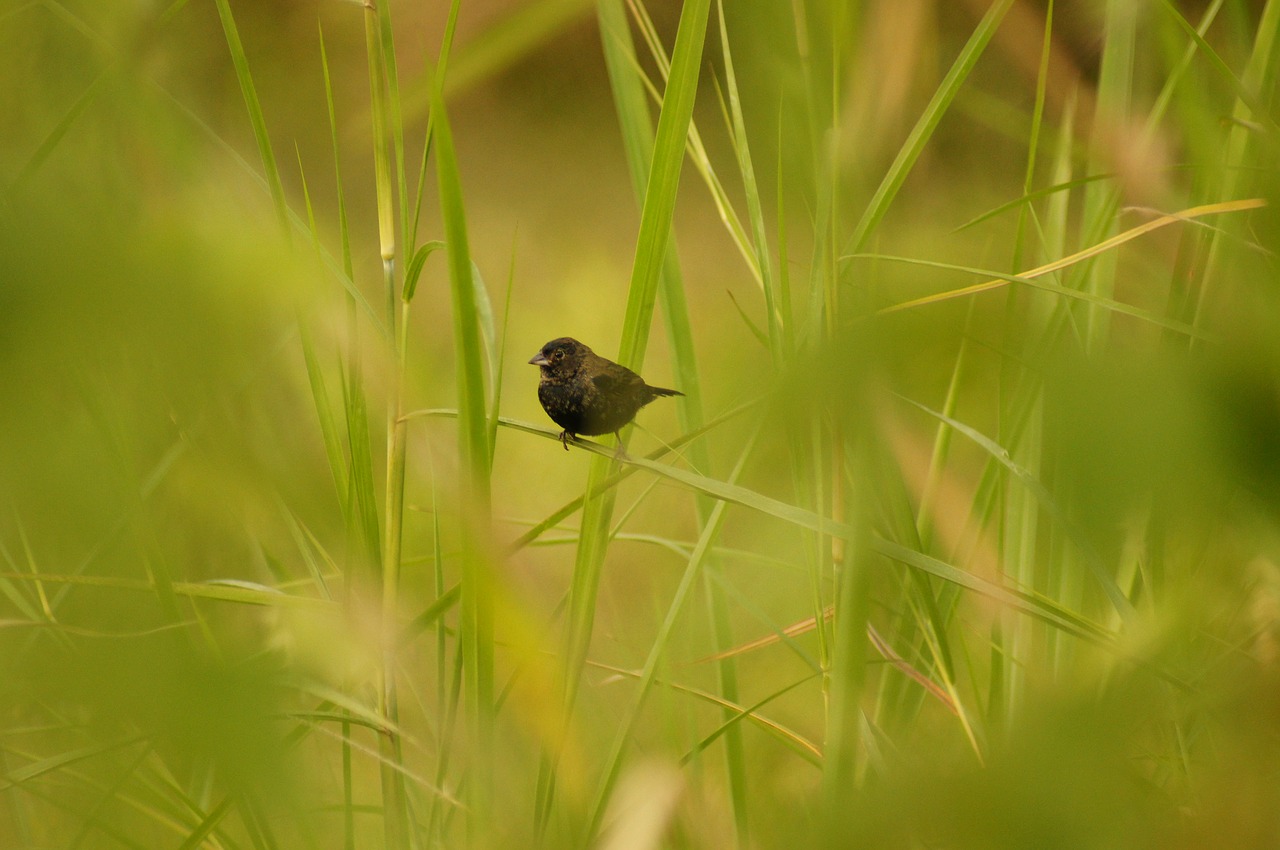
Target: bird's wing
[[605, 382]]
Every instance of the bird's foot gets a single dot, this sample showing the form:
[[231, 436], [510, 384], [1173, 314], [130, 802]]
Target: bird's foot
[[565, 437]]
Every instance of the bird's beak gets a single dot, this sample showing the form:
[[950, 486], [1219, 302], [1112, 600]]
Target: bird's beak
[[539, 359]]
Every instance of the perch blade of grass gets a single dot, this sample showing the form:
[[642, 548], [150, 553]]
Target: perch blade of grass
[[651, 249], [629, 89]]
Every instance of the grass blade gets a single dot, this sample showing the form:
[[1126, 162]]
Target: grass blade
[[476, 628], [256, 117], [925, 125]]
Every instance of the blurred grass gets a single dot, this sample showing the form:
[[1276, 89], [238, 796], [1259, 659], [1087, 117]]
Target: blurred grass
[[916, 561]]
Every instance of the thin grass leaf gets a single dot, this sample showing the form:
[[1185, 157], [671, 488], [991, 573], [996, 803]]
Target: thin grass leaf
[[256, 117], [800, 745], [308, 546], [664, 178], [207, 825], [523, 31], [1031, 280], [697, 151], [416, 264], [755, 209], [1098, 217], [295, 221], [344, 224], [55, 136], [476, 626], [498, 358], [1029, 197], [760, 335], [1239, 138], [29, 555], [431, 614], [1196, 46], [394, 120], [333, 443], [36, 769], [929, 119], [488, 336]]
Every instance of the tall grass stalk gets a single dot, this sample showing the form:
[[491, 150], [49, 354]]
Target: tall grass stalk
[[395, 803], [628, 87], [651, 251], [476, 628]]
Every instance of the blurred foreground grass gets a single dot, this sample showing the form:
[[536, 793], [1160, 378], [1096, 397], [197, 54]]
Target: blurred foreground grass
[[964, 534]]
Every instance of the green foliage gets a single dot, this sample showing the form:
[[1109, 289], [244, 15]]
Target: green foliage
[[963, 533]]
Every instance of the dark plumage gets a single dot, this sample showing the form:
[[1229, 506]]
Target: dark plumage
[[584, 393]]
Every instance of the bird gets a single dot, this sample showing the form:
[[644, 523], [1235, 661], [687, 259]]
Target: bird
[[585, 393]]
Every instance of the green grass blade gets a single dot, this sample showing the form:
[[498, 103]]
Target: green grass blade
[[755, 209], [925, 125], [55, 136], [1101, 200], [340, 195], [250, 94], [664, 180], [395, 805], [476, 627], [333, 445]]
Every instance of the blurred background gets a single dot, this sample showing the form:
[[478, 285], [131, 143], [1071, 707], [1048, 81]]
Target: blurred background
[[1086, 458]]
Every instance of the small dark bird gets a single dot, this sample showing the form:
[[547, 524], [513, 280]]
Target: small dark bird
[[584, 393]]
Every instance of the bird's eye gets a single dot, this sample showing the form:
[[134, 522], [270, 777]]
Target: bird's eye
[[559, 355]]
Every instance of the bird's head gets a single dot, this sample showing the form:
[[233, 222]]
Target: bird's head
[[560, 357]]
